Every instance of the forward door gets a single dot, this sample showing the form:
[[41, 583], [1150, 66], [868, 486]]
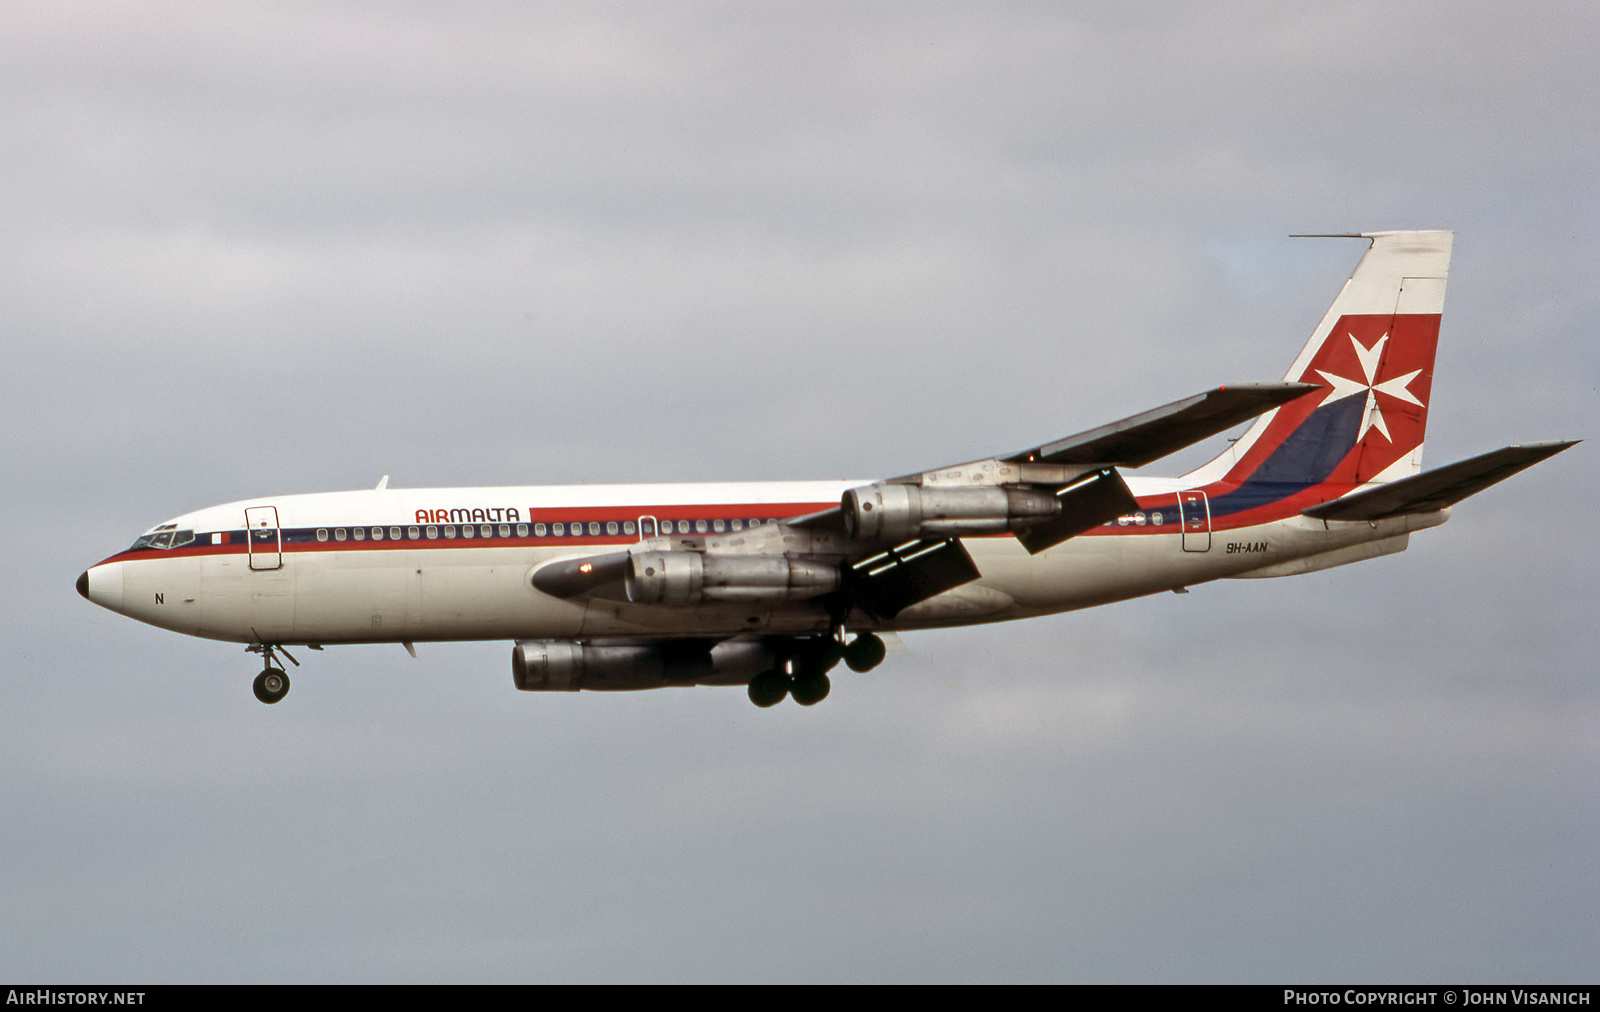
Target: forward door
[[265, 540]]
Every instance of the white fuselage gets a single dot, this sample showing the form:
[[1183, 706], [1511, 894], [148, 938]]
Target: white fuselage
[[414, 575]]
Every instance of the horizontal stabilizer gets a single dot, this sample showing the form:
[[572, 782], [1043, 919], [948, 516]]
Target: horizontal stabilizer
[[1142, 438], [1436, 489]]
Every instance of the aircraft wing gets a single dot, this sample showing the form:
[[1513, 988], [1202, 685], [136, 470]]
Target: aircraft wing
[[1132, 442], [886, 583], [1438, 488], [1060, 490], [1139, 439]]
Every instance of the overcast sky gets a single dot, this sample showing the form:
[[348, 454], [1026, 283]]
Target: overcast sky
[[255, 248]]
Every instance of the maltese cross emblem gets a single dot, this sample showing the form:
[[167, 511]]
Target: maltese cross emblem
[[1372, 417]]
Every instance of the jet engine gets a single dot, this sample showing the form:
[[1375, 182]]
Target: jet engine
[[565, 666], [903, 512], [686, 578]]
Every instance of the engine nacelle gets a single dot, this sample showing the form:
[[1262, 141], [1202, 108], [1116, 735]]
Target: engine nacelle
[[903, 512], [565, 666], [688, 578]]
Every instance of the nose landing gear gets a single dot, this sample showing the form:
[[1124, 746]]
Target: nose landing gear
[[272, 684]]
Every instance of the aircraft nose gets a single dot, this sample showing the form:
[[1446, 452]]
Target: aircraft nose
[[102, 584]]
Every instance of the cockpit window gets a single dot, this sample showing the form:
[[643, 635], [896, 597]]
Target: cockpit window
[[164, 537]]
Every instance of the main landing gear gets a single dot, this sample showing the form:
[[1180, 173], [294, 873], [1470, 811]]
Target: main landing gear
[[808, 686], [808, 680], [272, 684]]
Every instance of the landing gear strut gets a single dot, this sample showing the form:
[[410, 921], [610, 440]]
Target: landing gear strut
[[272, 684]]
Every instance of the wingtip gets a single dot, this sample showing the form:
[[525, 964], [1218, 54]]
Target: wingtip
[[1267, 387], [1280, 393], [1548, 447]]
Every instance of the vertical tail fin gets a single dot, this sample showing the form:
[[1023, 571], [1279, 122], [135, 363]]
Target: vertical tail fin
[[1374, 353]]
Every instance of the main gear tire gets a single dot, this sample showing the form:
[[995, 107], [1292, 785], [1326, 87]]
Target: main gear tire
[[810, 688], [864, 653], [769, 688]]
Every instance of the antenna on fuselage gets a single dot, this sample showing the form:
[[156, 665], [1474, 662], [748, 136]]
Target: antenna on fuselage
[[383, 483]]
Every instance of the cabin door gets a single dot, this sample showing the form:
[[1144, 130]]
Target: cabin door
[[1195, 513], [265, 540]]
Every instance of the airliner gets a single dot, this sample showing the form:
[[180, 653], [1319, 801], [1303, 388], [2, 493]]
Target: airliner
[[771, 585]]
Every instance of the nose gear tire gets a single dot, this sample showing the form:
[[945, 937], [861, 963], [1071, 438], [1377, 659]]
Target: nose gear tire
[[271, 685]]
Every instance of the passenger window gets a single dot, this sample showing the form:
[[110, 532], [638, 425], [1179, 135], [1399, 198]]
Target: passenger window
[[666, 527], [611, 527], [559, 530], [718, 526], [486, 530], [360, 533], [322, 534], [433, 533], [736, 524], [700, 526], [377, 534], [505, 530], [338, 534], [539, 530], [627, 527], [468, 531], [594, 528], [450, 531], [394, 534], [522, 530], [413, 533]]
